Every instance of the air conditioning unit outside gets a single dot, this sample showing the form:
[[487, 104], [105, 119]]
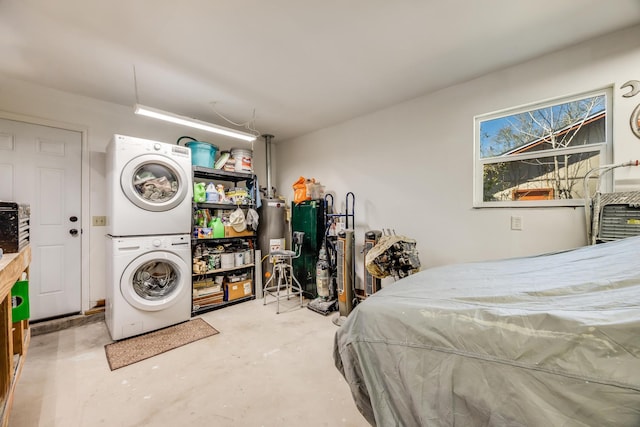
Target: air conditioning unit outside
[[615, 216]]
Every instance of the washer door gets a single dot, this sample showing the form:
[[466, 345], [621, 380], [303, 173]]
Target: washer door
[[154, 183], [154, 281]]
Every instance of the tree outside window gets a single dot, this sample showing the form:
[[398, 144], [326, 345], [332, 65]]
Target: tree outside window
[[539, 155]]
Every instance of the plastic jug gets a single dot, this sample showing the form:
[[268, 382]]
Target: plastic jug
[[217, 226], [212, 194], [199, 192]]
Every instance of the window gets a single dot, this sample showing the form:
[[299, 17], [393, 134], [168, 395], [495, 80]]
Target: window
[[538, 155]]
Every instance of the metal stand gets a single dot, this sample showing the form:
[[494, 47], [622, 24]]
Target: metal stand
[[282, 274]]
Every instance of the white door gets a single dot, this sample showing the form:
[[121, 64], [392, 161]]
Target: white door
[[41, 166]]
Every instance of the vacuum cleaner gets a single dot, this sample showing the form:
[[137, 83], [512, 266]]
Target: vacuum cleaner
[[325, 303]]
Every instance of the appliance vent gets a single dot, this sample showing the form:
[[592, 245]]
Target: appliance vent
[[618, 216], [619, 222]]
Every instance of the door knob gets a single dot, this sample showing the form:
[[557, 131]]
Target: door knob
[[73, 218], [73, 232]]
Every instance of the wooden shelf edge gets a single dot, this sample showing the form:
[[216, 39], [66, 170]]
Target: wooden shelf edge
[[21, 358], [12, 267]]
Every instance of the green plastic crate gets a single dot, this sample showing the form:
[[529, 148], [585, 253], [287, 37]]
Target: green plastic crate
[[20, 301]]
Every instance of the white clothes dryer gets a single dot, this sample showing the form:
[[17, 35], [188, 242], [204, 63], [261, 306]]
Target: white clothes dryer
[[148, 283], [149, 187]]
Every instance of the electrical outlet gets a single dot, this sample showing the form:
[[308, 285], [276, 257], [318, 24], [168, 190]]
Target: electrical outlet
[[99, 221], [516, 223]]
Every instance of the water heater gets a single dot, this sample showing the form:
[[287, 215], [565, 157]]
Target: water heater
[[272, 225]]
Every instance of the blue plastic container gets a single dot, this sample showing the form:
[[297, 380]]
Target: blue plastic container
[[202, 153]]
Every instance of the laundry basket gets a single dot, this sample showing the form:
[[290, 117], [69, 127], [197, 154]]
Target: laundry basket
[[202, 153]]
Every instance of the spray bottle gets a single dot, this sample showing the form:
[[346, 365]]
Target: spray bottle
[[323, 275]]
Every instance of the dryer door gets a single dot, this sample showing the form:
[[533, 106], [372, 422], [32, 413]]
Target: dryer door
[[155, 183], [154, 281]]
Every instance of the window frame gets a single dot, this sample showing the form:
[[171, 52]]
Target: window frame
[[604, 150]]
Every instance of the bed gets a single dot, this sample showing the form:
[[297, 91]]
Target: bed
[[549, 340]]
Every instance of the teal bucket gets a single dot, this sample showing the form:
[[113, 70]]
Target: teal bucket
[[202, 153]]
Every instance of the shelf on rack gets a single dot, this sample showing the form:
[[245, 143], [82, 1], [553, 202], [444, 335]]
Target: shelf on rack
[[205, 308], [202, 172], [223, 270], [221, 239], [212, 205]]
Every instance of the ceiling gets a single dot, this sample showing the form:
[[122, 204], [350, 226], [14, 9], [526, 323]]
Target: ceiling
[[285, 67]]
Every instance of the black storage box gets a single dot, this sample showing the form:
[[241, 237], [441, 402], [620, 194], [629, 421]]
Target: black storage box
[[14, 226]]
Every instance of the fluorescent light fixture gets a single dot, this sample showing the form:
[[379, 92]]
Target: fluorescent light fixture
[[197, 124]]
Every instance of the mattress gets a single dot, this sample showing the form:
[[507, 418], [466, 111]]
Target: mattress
[[549, 340]]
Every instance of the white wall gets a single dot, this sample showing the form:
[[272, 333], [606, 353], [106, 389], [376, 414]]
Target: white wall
[[100, 120], [410, 165]]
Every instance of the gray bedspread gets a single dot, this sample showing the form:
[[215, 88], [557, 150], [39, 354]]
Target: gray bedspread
[[550, 340]]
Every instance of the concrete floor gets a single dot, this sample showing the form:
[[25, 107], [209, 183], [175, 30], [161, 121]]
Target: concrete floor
[[263, 369]]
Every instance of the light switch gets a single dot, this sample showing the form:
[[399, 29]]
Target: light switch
[[516, 222]]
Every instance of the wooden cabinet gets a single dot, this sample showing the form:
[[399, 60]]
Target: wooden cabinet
[[223, 259], [14, 337]]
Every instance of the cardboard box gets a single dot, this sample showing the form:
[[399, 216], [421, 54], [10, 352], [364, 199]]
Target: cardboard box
[[202, 292], [231, 232], [203, 233], [205, 283], [214, 298], [237, 290]]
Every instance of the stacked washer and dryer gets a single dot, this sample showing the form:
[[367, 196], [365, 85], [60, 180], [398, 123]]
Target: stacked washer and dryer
[[150, 188]]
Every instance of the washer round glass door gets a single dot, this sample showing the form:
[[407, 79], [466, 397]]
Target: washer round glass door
[[154, 281], [154, 183]]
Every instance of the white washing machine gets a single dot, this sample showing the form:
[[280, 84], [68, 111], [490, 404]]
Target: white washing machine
[[149, 187], [148, 283]]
